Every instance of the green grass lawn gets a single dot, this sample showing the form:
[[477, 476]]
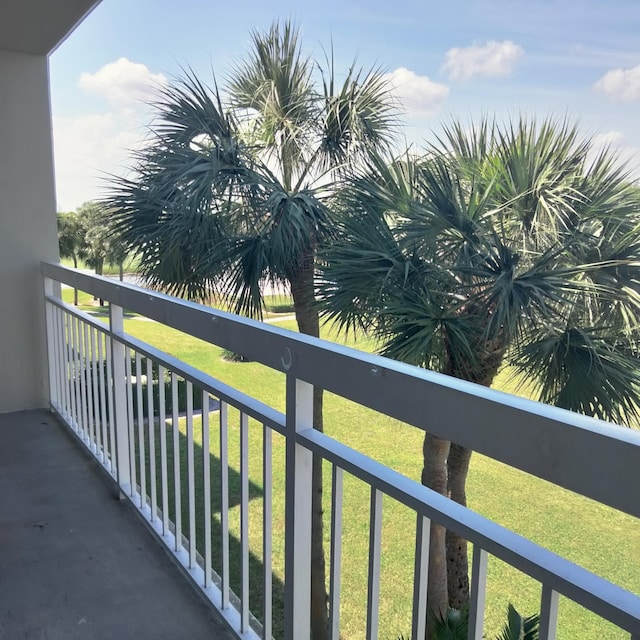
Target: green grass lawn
[[130, 266], [596, 537]]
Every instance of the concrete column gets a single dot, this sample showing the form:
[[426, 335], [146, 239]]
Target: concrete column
[[27, 227]]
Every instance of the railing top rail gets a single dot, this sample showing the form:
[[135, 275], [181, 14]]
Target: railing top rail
[[582, 454]]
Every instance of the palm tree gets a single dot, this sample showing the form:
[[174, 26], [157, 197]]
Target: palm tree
[[100, 244], [231, 193], [71, 240], [512, 245]]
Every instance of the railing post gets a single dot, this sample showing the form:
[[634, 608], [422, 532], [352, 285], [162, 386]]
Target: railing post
[[54, 397], [297, 561], [116, 326]]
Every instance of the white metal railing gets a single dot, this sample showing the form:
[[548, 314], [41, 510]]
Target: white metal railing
[[94, 367]]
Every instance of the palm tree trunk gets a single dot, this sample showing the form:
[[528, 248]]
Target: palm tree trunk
[[457, 470], [434, 475], [457, 556], [302, 292]]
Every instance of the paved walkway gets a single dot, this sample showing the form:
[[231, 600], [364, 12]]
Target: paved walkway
[[75, 562]]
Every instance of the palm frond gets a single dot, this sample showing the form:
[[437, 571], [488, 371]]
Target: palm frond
[[201, 206], [359, 118], [584, 369], [274, 82], [540, 166], [499, 242], [453, 625], [519, 628]]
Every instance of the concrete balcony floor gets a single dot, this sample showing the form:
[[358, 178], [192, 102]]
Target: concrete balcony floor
[[76, 562]]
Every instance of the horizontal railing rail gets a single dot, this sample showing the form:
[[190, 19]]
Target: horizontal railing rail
[[134, 407], [592, 592], [551, 443]]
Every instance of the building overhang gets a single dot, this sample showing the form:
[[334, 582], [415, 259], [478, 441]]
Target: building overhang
[[39, 26]]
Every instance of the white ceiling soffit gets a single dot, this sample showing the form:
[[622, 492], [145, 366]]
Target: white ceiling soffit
[[39, 26]]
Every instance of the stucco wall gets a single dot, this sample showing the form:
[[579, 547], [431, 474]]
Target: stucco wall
[[27, 227]]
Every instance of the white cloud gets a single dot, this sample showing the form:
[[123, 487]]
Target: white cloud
[[123, 82], [622, 85], [88, 148], [490, 59], [419, 95], [608, 139], [615, 141]]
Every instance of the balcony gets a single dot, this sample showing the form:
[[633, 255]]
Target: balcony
[[167, 448], [75, 562]]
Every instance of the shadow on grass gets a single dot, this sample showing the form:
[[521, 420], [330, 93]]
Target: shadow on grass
[[256, 565], [255, 492]]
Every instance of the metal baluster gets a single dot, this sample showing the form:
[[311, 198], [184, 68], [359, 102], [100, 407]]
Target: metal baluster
[[66, 365], [122, 453], [83, 382], [337, 479], [88, 377], [130, 423], [62, 364], [96, 396], [76, 377], [244, 521], [51, 350], [103, 407], [163, 449], [224, 499], [176, 461], [112, 411], [267, 531], [191, 496], [142, 465], [58, 362], [420, 578], [375, 539], [206, 481], [152, 440]]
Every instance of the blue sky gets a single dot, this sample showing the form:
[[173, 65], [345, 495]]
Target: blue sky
[[579, 58]]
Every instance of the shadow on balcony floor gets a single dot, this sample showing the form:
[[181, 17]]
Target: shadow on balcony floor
[[75, 562]]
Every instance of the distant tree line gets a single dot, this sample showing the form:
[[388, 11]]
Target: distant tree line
[[86, 235]]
